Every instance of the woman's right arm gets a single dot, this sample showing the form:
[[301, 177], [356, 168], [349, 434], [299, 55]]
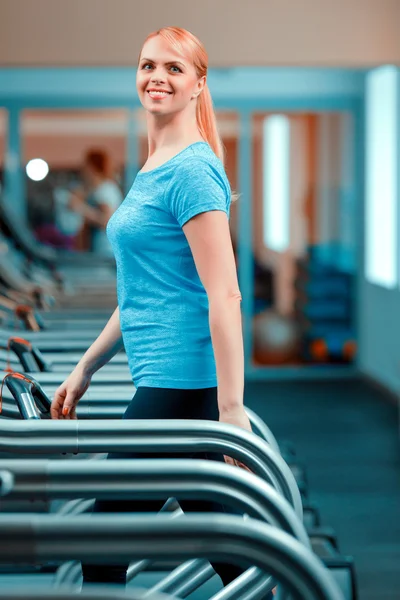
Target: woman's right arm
[[100, 352], [104, 347]]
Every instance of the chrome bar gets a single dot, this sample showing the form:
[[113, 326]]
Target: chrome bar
[[110, 539], [156, 436], [262, 428], [6, 482], [154, 479], [181, 478], [104, 408], [97, 593]]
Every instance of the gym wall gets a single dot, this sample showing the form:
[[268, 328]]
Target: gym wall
[[351, 33]]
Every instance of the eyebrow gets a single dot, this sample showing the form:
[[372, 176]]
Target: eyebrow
[[175, 62]]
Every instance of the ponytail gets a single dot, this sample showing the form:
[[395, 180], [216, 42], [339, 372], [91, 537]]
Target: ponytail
[[207, 125]]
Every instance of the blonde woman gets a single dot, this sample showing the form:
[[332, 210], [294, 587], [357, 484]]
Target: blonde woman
[[178, 309]]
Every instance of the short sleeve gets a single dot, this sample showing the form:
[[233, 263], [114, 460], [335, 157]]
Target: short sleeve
[[197, 187]]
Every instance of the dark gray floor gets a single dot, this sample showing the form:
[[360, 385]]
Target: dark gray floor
[[346, 434]]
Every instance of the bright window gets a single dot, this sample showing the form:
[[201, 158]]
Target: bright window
[[381, 178], [276, 185]]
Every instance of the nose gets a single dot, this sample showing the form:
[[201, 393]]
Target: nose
[[157, 76]]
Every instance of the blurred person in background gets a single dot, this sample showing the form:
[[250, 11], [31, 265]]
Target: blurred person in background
[[95, 201]]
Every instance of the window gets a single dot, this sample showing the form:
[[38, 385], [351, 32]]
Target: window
[[381, 184], [276, 165]]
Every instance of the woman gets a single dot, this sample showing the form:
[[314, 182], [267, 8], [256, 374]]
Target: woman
[[96, 202], [178, 297]]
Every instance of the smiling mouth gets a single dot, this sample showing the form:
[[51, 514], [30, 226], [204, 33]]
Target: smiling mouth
[[158, 94]]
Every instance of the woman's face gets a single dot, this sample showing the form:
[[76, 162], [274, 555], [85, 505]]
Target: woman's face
[[162, 68]]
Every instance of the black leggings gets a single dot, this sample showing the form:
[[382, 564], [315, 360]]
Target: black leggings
[[163, 403]]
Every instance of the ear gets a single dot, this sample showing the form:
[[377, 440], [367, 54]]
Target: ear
[[200, 86]]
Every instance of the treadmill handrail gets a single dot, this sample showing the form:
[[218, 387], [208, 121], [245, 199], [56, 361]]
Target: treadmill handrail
[[95, 593], [28, 395], [100, 540], [148, 479], [158, 435], [6, 482]]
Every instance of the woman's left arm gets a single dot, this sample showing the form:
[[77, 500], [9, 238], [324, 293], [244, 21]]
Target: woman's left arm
[[210, 241]]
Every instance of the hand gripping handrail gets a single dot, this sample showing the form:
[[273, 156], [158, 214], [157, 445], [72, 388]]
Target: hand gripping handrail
[[157, 436], [108, 538]]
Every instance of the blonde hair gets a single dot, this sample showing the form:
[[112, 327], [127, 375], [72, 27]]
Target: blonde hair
[[190, 46]]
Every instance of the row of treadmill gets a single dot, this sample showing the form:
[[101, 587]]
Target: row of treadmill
[[52, 307]]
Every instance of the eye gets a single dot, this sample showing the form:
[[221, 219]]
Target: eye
[[150, 65]]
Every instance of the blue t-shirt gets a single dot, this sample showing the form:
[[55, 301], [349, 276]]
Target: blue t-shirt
[[163, 304]]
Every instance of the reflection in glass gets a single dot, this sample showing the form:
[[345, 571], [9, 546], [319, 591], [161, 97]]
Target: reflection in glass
[[304, 228], [85, 152]]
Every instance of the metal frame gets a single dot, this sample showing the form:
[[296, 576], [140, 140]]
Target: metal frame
[[102, 408], [97, 593], [148, 436], [157, 479], [101, 539], [6, 482], [153, 479]]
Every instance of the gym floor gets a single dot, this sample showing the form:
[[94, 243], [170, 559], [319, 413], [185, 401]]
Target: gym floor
[[346, 435]]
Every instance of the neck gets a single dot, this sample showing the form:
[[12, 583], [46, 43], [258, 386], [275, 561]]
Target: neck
[[171, 131]]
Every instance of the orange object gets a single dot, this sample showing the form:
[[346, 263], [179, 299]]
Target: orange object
[[20, 341], [23, 309], [319, 349], [349, 349]]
